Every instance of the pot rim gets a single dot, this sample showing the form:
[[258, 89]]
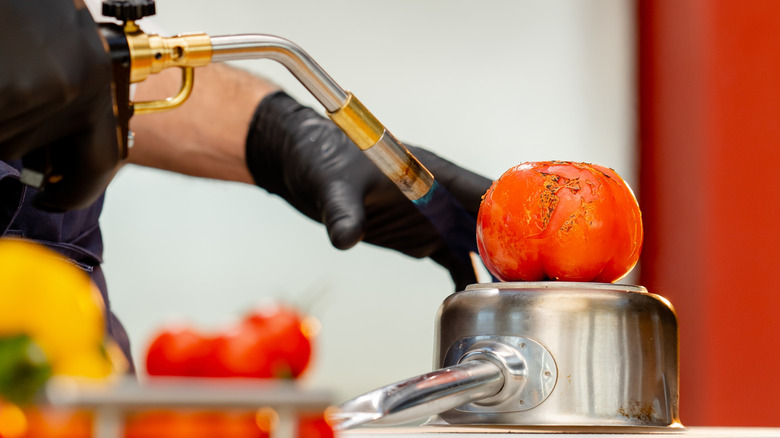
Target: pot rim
[[557, 285]]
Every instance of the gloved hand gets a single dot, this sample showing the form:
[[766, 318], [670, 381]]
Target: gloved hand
[[56, 110], [306, 159]]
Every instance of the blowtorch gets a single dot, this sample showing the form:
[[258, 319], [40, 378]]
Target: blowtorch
[[135, 55]]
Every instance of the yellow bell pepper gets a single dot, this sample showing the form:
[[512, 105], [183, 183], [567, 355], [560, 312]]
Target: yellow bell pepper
[[48, 299]]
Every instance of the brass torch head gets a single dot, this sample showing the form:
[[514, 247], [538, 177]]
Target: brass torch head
[[151, 53]]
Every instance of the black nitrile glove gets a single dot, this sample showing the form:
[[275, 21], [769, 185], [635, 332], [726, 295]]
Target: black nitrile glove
[[56, 109], [306, 159]]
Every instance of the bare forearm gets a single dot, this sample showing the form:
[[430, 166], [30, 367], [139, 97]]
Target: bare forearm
[[205, 136]]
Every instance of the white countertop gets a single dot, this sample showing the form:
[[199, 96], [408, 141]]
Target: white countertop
[[491, 432]]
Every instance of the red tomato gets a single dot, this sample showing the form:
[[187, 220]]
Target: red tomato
[[177, 351], [210, 365], [242, 353], [49, 422], [269, 343], [561, 221], [192, 424], [155, 424], [314, 426], [292, 346]]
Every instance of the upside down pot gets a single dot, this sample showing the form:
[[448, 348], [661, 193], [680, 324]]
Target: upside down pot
[[550, 354]]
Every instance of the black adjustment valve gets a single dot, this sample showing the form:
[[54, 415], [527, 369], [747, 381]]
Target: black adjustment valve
[[128, 10]]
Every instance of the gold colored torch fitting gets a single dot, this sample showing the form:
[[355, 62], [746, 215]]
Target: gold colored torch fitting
[[389, 154], [151, 53], [358, 123]]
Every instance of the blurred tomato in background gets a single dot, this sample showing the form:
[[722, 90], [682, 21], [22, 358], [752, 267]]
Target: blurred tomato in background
[[272, 341], [178, 350]]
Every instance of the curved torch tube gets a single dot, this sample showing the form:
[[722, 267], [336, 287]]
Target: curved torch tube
[[392, 158], [297, 61]]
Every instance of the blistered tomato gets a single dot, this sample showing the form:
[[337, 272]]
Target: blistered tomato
[[559, 220]]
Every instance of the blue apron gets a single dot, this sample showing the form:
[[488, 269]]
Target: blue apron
[[74, 234]]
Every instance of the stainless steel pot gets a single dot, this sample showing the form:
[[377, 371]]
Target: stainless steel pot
[[550, 354]]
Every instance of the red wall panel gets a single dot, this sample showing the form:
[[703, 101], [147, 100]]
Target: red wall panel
[[709, 93]]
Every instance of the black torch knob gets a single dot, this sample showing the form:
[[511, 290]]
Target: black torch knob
[[128, 10]]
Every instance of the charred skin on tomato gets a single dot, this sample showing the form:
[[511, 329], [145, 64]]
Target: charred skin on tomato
[[559, 220]]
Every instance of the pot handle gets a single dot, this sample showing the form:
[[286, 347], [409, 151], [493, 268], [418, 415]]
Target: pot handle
[[490, 372], [422, 396]]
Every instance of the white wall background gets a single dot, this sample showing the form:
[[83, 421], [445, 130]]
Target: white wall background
[[486, 84]]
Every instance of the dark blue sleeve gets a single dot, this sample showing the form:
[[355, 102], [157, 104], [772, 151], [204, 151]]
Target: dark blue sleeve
[[74, 234]]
